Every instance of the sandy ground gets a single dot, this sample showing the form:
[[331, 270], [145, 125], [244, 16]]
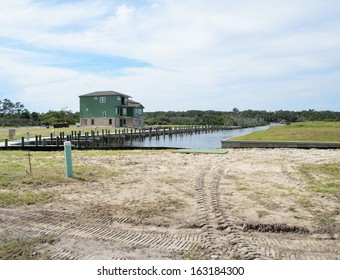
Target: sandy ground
[[246, 204]]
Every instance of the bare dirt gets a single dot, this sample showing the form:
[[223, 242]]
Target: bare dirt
[[246, 204]]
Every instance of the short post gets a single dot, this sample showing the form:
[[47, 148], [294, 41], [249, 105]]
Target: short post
[[68, 158], [11, 134]]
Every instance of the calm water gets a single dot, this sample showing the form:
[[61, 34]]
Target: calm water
[[195, 141]]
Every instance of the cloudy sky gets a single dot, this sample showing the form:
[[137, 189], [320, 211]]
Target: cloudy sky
[[172, 54]]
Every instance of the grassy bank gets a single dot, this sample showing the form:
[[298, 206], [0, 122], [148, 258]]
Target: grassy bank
[[302, 131]]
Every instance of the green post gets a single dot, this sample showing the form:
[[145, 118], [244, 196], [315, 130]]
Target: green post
[[68, 158]]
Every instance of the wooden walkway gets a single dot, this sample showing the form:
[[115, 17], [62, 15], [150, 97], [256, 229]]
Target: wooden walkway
[[104, 139]]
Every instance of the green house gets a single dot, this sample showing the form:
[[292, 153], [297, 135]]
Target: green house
[[110, 108]]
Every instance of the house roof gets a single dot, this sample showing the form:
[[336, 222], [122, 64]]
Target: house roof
[[135, 104], [132, 104], [105, 93]]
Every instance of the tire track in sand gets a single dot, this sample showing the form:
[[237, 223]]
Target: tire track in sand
[[63, 225]]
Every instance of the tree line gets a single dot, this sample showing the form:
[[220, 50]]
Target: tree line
[[236, 117], [15, 114]]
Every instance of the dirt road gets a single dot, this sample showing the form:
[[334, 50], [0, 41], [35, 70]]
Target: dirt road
[[246, 204]]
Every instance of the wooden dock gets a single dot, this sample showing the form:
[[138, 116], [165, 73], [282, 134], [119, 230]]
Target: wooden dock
[[105, 138]]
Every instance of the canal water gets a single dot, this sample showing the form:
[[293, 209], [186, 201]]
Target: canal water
[[211, 140]]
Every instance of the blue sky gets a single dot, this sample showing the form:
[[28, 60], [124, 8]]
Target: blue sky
[[172, 54]]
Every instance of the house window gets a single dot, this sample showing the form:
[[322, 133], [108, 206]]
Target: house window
[[124, 111], [138, 111], [92, 121], [119, 99], [104, 114], [102, 99], [110, 121]]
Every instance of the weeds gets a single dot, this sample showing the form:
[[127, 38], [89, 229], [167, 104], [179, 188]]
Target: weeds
[[323, 178], [261, 213], [194, 253], [161, 206], [292, 208], [20, 187], [242, 188], [26, 197], [324, 219], [305, 202], [24, 248]]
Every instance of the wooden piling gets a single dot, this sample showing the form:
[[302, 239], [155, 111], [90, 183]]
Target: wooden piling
[[86, 140], [97, 139]]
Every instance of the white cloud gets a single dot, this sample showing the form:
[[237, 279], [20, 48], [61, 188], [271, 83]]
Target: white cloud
[[203, 54]]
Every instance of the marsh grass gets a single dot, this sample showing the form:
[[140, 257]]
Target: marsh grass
[[304, 131]]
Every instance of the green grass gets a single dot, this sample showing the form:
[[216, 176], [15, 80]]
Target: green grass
[[302, 131], [24, 248], [25, 197], [324, 178], [19, 186], [324, 219]]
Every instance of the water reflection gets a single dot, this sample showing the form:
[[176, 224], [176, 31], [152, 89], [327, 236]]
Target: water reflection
[[194, 141]]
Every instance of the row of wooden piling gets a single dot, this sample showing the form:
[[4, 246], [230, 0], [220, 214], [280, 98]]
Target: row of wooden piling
[[106, 138]]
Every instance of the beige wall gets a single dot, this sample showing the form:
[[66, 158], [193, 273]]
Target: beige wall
[[98, 122], [130, 122]]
